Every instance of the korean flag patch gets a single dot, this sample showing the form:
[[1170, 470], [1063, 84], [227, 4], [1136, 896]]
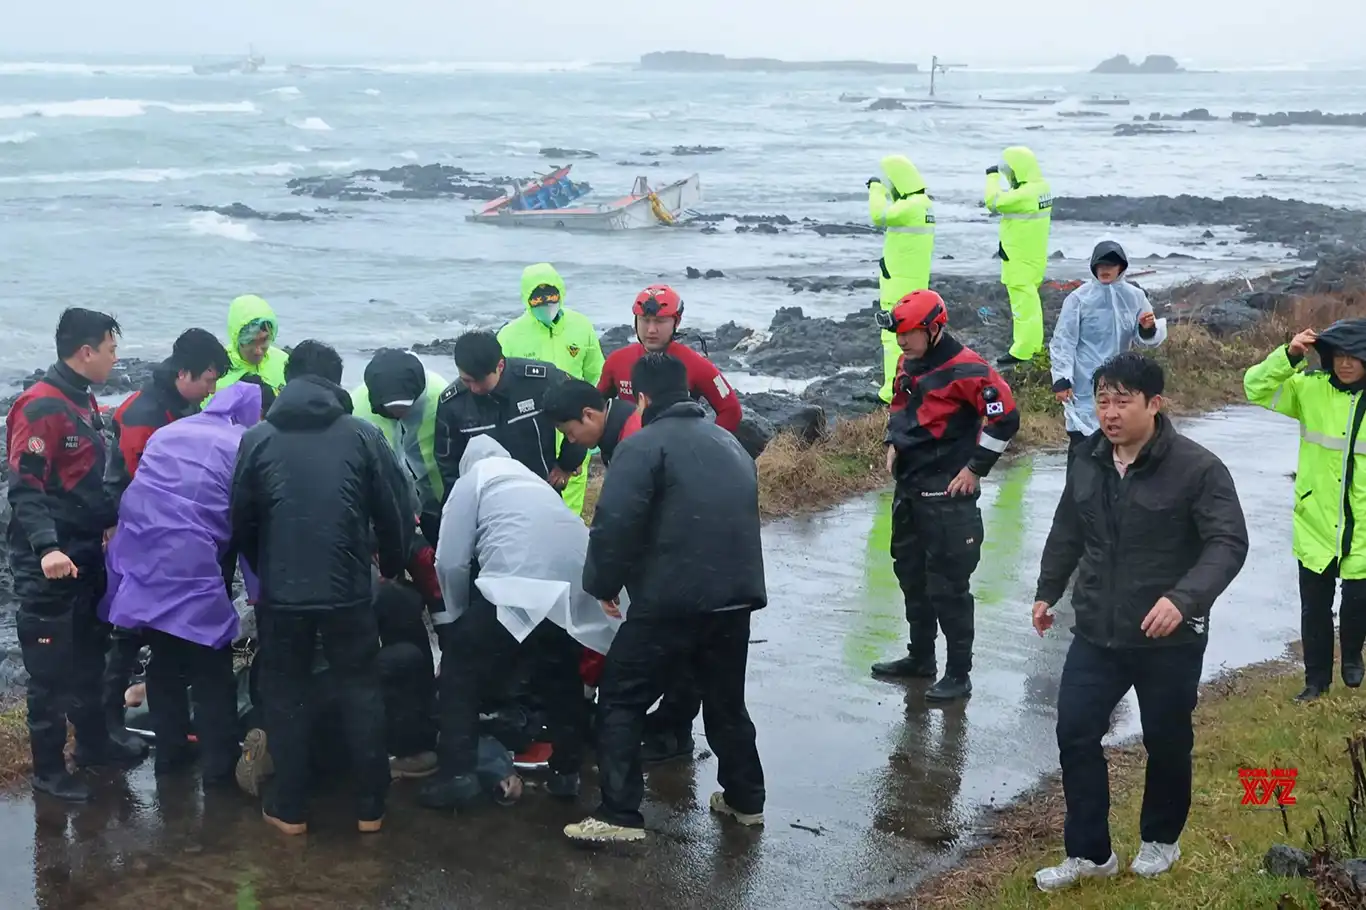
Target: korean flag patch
[[995, 409]]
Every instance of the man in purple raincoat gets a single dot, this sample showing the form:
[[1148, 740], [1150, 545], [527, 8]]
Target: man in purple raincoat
[[170, 575]]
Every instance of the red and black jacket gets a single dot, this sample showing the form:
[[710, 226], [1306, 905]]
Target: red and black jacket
[[57, 453], [949, 410], [623, 419], [704, 380], [144, 412]]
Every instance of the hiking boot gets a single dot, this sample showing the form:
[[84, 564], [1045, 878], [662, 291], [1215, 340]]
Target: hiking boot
[[563, 786], [293, 829], [62, 785], [950, 688], [1072, 870], [906, 668], [1352, 672], [111, 753], [1310, 693], [255, 765], [658, 748], [594, 831], [1155, 859], [721, 807], [450, 792], [411, 767]]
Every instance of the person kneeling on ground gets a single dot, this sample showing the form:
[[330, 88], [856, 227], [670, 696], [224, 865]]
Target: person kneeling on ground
[[316, 492], [677, 526], [1142, 612], [509, 546], [1327, 403], [1104, 317], [951, 417], [170, 573]]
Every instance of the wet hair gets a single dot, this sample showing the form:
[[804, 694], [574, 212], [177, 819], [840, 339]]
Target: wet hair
[[267, 393], [314, 358], [1130, 372], [567, 400], [660, 376], [477, 354], [197, 350], [78, 327]]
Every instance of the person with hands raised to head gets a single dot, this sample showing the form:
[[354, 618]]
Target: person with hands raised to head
[[1151, 524], [1330, 494], [951, 417]]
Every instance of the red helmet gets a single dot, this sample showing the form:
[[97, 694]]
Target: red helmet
[[658, 300], [917, 310]]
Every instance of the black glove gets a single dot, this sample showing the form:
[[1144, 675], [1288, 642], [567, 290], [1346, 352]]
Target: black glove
[[872, 180], [993, 170], [1062, 385]]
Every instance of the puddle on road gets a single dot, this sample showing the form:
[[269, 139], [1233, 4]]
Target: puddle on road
[[868, 788]]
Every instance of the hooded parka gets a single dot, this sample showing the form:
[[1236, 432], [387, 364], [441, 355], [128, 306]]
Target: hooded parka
[[252, 312], [396, 377], [901, 206], [1026, 210]]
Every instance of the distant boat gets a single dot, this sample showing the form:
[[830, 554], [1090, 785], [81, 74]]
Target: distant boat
[[1031, 100], [251, 63], [1113, 100], [542, 203]]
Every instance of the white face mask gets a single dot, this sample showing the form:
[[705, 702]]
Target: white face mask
[[546, 312]]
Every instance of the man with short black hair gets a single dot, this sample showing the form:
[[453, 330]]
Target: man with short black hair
[[502, 397], [317, 497], [1150, 523], [677, 526], [585, 417], [61, 518]]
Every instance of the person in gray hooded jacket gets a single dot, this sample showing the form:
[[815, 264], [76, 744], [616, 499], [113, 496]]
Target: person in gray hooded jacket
[[510, 559], [1104, 317]]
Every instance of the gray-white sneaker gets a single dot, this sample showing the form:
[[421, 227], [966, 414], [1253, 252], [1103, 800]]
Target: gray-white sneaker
[[1072, 870], [1155, 859]]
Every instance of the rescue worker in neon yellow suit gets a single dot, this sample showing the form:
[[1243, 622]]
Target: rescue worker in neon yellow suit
[[908, 218], [1026, 210], [552, 332], [252, 330]]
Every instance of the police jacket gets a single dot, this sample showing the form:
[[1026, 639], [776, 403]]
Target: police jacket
[[511, 414]]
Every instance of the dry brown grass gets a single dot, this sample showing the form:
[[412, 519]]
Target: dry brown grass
[[15, 758]]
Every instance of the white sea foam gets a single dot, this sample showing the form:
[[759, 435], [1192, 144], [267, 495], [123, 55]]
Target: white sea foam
[[212, 224], [409, 155], [290, 91], [372, 91], [18, 138], [45, 68], [118, 107], [153, 175], [316, 124]]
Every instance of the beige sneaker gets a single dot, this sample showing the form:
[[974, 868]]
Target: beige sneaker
[[411, 767], [721, 807], [593, 831], [255, 764]]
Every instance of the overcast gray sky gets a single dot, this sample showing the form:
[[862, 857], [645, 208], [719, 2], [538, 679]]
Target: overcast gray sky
[[980, 32]]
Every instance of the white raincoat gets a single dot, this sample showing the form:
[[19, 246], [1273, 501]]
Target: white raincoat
[[527, 547], [1097, 322]]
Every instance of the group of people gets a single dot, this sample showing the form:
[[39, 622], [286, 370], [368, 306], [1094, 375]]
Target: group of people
[[342, 516]]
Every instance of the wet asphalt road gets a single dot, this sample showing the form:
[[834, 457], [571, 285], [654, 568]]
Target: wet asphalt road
[[869, 790]]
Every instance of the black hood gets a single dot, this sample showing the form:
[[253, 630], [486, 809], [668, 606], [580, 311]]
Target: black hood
[[671, 406], [1346, 335], [309, 403], [1109, 251], [394, 375]]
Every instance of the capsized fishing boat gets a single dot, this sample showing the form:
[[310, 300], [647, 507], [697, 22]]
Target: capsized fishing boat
[[547, 201]]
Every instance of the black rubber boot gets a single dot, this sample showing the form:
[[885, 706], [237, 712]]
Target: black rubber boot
[[1353, 670], [111, 753], [118, 731], [62, 785], [950, 688], [450, 792], [666, 746], [907, 668], [563, 786], [1311, 692]]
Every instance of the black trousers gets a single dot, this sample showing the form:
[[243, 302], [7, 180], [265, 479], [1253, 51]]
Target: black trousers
[[176, 666], [120, 665], [409, 699], [645, 655], [936, 545], [350, 642], [1094, 680], [63, 643], [680, 706], [478, 657], [1317, 591]]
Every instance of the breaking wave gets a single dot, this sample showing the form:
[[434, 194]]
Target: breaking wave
[[18, 138], [212, 224], [118, 107], [154, 175], [316, 124]]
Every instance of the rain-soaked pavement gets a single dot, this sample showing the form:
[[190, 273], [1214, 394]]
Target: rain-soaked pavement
[[869, 789]]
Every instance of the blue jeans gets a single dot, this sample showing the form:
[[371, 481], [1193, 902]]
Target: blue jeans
[[1094, 680]]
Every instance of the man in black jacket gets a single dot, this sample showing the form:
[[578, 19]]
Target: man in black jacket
[[316, 492], [677, 526], [588, 419], [1151, 523], [503, 398], [61, 513]]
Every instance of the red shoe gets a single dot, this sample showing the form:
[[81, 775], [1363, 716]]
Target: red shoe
[[590, 667], [536, 756]]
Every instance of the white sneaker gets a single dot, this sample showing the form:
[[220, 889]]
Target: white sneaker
[[1072, 870], [1154, 859]]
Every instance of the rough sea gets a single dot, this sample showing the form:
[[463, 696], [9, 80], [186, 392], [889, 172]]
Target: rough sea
[[98, 161]]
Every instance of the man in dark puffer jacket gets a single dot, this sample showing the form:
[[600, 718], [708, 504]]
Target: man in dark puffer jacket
[[316, 492], [677, 526]]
